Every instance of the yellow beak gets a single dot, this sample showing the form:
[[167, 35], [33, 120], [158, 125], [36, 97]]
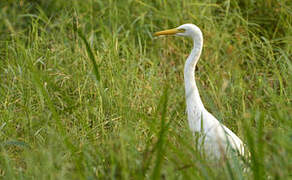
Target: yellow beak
[[167, 32]]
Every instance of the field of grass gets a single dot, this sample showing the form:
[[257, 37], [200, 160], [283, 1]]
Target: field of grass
[[61, 117]]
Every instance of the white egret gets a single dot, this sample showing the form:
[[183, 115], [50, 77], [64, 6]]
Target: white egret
[[217, 140]]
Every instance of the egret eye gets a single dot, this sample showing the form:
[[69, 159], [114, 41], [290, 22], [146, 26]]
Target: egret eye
[[181, 30]]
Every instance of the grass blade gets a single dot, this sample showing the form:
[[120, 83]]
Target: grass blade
[[161, 140], [90, 54]]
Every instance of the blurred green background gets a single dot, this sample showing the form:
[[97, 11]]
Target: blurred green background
[[59, 120]]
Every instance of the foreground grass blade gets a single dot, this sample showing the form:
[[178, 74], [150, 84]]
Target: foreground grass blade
[[161, 139], [90, 54]]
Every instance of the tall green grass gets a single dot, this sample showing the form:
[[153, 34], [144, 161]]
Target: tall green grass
[[87, 93]]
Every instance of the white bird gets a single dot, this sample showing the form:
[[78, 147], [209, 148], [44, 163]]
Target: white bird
[[216, 139]]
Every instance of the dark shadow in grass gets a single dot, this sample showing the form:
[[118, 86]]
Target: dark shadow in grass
[[19, 144]]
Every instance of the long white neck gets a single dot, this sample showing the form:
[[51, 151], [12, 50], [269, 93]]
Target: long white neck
[[193, 100]]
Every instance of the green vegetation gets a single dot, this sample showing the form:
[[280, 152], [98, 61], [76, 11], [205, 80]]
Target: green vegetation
[[63, 117]]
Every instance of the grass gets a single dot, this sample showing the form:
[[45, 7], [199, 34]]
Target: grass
[[123, 116]]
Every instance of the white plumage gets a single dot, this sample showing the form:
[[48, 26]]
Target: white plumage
[[216, 138]]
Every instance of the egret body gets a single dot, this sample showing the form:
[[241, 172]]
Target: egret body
[[216, 139]]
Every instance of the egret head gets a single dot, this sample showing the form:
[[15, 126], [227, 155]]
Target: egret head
[[189, 30]]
